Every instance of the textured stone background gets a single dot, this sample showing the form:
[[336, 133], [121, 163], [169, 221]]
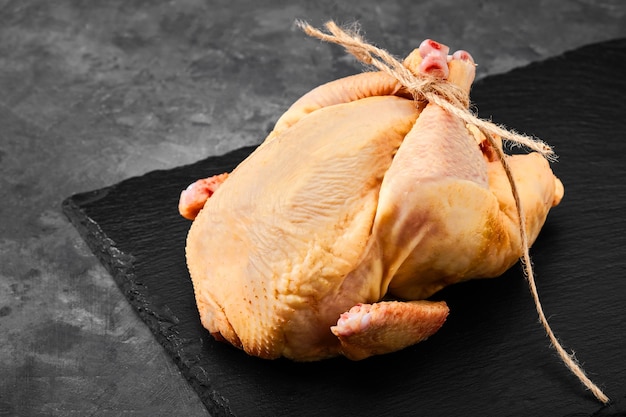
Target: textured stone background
[[95, 92]]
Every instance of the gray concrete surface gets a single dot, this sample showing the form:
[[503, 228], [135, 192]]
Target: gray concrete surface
[[95, 92]]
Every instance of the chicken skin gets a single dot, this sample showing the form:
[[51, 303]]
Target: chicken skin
[[360, 205]]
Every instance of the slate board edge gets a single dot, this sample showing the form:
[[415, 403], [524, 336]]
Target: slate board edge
[[120, 266]]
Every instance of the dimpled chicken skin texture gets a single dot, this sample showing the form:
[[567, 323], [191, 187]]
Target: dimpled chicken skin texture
[[360, 205]]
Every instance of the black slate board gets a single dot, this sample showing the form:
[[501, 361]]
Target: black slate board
[[491, 357]]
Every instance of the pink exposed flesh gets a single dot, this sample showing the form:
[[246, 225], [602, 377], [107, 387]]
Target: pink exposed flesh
[[193, 198], [434, 58]]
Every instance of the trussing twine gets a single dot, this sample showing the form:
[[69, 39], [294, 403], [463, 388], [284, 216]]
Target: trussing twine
[[445, 95], [456, 102]]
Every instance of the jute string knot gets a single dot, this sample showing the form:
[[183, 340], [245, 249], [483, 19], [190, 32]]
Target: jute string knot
[[456, 102], [437, 91], [431, 89]]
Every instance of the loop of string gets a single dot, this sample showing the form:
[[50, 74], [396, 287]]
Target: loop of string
[[456, 102], [433, 90]]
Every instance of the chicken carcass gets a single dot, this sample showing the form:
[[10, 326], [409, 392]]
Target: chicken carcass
[[360, 205]]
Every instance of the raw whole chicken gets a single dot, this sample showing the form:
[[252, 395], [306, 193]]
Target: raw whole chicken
[[361, 204]]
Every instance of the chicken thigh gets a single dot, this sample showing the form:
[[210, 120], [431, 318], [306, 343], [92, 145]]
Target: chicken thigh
[[360, 204]]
